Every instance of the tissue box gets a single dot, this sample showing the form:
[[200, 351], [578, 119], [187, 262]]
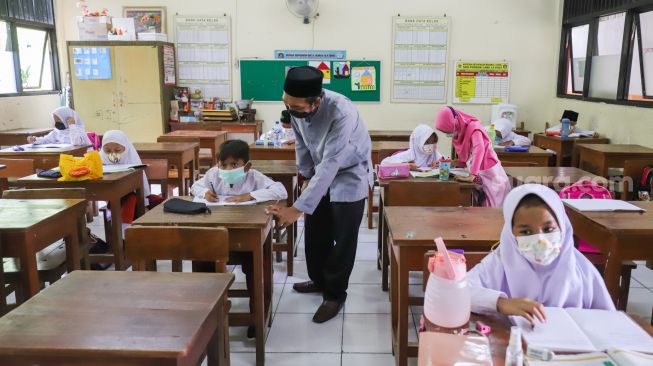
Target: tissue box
[[93, 28], [151, 36]]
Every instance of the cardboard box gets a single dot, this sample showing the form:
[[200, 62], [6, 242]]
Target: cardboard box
[[93, 28], [151, 36]]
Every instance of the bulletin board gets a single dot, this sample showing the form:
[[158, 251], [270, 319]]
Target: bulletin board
[[92, 63], [482, 82], [262, 80]]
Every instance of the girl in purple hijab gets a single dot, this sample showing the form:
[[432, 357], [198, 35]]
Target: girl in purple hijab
[[536, 264]]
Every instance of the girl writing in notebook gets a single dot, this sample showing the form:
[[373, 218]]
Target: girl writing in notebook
[[505, 135], [536, 264], [68, 129], [474, 149], [422, 152]]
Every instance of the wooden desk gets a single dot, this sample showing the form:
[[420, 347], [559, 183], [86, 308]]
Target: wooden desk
[[597, 158], [208, 140], [44, 157], [19, 136], [377, 146], [178, 154], [283, 152], [553, 177], [120, 318], [619, 235], [27, 226], [466, 199], [249, 231], [283, 171], [2, 166], [111, 188], [389, 135], [564, 147], [534, 155], [247, 131], [411, 234]]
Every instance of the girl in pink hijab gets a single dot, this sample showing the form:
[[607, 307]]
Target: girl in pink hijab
[[536, 264], [474, 148]]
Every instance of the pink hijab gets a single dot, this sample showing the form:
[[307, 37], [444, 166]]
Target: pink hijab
[[570, 281], [462, 126]]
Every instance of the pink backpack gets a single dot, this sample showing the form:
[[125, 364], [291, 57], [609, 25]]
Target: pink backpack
[[96, 141], [585, 189]]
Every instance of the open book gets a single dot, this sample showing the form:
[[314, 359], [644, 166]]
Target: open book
[[585, 330], [602, 205], [614, 357], [222, 202], [117, 168]]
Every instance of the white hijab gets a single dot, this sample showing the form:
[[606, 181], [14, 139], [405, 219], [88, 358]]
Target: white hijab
[[129, 156], [418, 138], [78, 137], [570, 281]]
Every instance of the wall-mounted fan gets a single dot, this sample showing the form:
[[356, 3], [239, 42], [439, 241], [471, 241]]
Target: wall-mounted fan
[[305, 9]]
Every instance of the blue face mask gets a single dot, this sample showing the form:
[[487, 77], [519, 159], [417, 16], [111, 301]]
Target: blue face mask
[[233, 176]]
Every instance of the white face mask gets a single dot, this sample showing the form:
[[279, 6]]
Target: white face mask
[[114, 157], [540, 249], [428, 149]]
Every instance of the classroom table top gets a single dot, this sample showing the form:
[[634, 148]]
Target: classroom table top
[[570, 139], [245, 216], [552, 176], [20, 215], [106, 179], [532, 150], [27, 131], [617, 149], [633, 222], [418, 226], [46, 149], [164, 147], [386, 182], [275, 167], [196, 133], [115, 314]]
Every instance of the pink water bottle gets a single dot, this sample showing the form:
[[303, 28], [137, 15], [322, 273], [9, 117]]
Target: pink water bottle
[[447, 300]]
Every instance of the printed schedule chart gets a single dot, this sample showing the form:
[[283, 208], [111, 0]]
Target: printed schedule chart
[[482, 82]]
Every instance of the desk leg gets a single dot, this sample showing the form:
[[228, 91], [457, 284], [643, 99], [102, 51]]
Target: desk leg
[[379, 239], [116, 233], [83, 241], [217, 351], [370, 208], [73, 245], [401, 353], [28, 268], [259, 304], [191, 176], [612, 271], [180, 176]]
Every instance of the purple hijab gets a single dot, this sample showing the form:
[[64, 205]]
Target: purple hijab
[[570, 281]]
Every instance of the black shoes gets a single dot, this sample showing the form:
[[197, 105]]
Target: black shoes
[[327, 311], [306, 287]]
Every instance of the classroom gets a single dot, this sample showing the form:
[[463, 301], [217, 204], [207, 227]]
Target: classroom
[[326, 183]]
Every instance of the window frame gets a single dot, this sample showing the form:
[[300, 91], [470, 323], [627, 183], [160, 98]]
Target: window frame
[[51, 34], [631, 25]]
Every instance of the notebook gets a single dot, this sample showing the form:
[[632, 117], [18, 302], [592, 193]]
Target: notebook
[[117, 168], [221, 202], [432, 173], [585, 330], [614, 357], [602, 205]]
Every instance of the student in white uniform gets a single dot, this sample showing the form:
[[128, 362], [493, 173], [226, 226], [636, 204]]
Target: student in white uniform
[[505, 135], [68, 129], [422, 151], [235, 178], [573, 120]]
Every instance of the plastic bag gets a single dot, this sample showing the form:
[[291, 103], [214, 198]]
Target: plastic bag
[[75, 169]]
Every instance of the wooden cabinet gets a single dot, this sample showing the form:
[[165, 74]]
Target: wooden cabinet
[[135, 99]]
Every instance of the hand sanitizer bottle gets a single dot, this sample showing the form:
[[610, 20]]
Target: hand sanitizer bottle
[[514, 352]]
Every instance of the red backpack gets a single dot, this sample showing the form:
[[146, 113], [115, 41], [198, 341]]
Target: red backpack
[[645, 184], [585, 189]]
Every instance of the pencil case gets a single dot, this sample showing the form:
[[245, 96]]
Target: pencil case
[[393, 171], [517, 148]]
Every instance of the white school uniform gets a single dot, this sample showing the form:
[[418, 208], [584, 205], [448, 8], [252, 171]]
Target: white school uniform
[[259, 186], [505, 126], [73, 134]]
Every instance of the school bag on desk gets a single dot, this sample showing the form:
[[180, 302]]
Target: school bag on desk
[[585, 189], [645, 184]]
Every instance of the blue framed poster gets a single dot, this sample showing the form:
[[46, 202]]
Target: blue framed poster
[[92, 63]]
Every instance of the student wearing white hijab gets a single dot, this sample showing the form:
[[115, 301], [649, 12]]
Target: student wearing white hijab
[[68, 129], [536, 264], [422, 151], [505, 135], [117, 149]]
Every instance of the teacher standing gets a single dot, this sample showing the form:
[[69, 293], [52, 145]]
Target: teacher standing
[[333, 156]]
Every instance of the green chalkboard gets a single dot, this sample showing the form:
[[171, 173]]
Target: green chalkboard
[[263, 80]]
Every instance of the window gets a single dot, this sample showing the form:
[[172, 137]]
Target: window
[[617, 37], [28, 48]]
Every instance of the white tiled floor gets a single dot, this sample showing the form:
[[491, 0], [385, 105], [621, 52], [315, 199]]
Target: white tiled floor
[[361, 334]]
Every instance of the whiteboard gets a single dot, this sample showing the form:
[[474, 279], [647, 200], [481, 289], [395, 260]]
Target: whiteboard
[[204, 54], [479, 82], [419, 59]]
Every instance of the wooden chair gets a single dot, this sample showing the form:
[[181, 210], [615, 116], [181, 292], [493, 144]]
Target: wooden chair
[[16, 168], [423, 194], [370, 193], [144, 245], [632, 174], [51, 261]]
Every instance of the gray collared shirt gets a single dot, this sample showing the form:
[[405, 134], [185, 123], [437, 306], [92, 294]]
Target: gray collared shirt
[[333, 150]]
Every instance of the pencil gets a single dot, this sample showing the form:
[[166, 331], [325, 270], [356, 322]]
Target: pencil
[[213, 188]]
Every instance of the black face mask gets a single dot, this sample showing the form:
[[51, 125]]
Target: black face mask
[[302, 114], [60, 125]]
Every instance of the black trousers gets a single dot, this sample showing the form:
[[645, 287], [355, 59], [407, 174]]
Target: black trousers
[[331, 238]]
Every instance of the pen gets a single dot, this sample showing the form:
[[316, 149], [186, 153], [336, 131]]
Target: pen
[[212, 188]]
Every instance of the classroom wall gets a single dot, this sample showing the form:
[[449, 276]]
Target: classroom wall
[[518, 31], [32, 111], [621, 124]]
